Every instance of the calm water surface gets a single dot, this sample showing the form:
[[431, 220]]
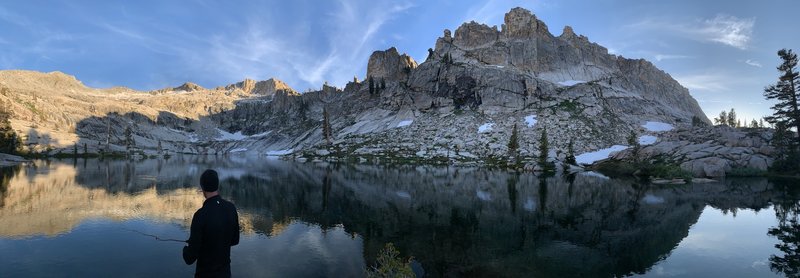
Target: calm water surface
[[79, 218]]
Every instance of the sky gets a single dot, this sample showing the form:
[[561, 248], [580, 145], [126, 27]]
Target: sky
[[724, 52]]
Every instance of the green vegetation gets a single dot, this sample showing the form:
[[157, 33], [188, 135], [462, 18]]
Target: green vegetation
[[568, 105], [390, 264], [10, 142], [544, 151], [570, 154], [786, 115]]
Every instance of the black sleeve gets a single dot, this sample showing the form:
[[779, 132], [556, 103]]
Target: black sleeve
[[192, 250], [235, 239]]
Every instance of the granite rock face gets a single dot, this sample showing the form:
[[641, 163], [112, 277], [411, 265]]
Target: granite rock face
[[390, 65], [461, 104], [709, 151]]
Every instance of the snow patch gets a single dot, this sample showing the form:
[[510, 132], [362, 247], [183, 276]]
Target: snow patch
[[571, 82], [651, 199], [591, 157], [647, 140], [483, 195], [280, 152], [227, 136], [530, 120], [404, 123], [657, 126], [484, 128], [261, 134], [237, 150]]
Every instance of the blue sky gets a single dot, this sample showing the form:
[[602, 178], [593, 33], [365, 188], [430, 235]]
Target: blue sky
[[723, 51]]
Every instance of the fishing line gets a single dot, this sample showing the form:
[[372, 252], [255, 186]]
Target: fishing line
[[154, 236]]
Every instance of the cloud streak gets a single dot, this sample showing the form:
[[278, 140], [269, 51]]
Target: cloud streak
[[724, 29], [753, 63]]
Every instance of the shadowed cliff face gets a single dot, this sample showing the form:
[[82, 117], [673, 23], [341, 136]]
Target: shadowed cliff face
[[454, 221]]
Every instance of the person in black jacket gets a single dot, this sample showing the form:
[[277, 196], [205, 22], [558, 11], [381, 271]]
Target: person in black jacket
[[215, 228]]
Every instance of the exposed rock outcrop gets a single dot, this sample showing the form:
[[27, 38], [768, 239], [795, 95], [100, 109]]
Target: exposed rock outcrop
[[390, 65], [709, 151], [261, 88]]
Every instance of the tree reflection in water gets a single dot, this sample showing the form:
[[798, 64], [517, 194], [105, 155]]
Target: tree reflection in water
[[787, 211]]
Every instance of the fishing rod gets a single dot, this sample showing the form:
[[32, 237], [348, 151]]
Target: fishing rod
[[155, 236]]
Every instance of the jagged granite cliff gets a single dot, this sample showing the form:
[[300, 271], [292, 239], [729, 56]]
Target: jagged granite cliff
[[461, 103]]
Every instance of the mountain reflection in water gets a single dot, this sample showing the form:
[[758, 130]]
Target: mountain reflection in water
[[453, 221]]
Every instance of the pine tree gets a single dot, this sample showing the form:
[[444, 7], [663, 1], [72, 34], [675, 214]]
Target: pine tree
[[9, 141], [785, 92], [371, 82], [513, 142], [633, 142], [732, 118], [754, 124], [326, 126], [571, 154], [544, 149], [761, 123], [85, 149], [722, 119]]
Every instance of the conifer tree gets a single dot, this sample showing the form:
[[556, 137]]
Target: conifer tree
[[371, 82], [544, 148], [722, 119], [785, 92], [732, 118], [513, 142], [571, 154], [9, 141], [326, 126]]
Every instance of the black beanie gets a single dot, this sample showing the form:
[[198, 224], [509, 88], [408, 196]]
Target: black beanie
[[209, 181]]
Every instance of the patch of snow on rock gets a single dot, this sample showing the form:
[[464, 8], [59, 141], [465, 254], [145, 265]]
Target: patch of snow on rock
[[227, 136], [237, 150], [280, 152], [571, 82], [404, 123], [647, 140], [530, 120], [591, 157], [657, 126], [484, 128], [483, 195]]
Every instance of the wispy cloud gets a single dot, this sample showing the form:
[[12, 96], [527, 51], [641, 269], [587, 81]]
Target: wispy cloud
[[660, 57], [704, 82], [753, 63], [725, 29]]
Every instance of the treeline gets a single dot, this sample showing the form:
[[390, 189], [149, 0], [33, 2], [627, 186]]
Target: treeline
[[730, 119]]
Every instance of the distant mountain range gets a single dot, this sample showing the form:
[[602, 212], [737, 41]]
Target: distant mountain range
[[461, 103]]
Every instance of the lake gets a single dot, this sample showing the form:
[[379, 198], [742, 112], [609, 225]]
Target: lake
[[85, 218]]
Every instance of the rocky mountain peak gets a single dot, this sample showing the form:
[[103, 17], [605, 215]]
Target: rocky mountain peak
[[263, 88], [521, 23], [390, 64], [188, 87]]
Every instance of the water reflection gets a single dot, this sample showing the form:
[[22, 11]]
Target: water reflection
[[454, 221]]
